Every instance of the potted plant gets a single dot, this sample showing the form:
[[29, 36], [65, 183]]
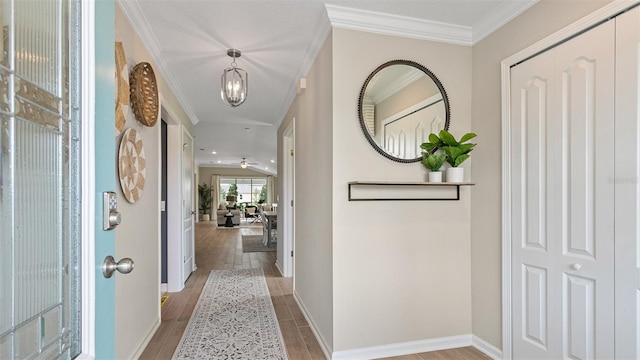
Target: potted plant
[[206, 199], [434, 163], [456, 151]]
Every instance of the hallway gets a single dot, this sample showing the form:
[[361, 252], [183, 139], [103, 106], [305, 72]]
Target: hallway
[[221, 248]]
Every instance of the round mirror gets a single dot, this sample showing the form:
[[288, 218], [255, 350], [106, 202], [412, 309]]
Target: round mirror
[[400, 104]]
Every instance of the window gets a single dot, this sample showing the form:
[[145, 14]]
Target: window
[[246, 190]]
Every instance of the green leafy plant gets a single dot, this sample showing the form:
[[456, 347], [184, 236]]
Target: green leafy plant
[[456, 151], [433, 162], [204, 191], [433, 144]]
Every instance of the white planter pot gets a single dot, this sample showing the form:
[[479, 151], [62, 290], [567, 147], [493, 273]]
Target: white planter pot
[[435, 176], [205, 217], [455, 174]]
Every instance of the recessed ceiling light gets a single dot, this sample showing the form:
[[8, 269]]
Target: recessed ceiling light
[[266, 168], [247, 129], [201, 149], [213, 152], [273, 161], [219, 162]]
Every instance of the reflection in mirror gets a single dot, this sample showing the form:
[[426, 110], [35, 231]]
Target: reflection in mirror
[[401, 103]]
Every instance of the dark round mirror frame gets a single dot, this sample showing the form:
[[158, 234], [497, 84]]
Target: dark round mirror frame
[[445, 98]]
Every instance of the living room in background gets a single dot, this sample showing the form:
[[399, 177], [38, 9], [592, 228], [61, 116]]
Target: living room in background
[[247, 191]]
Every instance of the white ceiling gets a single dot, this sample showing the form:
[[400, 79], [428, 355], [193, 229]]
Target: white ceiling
[[279, 39]]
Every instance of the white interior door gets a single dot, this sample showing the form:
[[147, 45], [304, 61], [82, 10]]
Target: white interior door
[[188, 207], [562, 119], [627, 215]]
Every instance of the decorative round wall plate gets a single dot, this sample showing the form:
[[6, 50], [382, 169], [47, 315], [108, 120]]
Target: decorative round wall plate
[[122, 82], [132, 167], [144, 94]]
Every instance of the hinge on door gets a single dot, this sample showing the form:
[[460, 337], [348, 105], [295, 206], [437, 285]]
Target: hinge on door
[[291, 152], [291, 202], [291, 253]]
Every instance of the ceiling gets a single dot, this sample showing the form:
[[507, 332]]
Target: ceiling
[[279, 40]]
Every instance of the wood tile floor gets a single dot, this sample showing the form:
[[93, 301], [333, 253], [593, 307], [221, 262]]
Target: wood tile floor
[[221, 248]]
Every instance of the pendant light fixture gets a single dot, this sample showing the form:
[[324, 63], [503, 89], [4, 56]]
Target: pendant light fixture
[[234, 82], [243, 163]]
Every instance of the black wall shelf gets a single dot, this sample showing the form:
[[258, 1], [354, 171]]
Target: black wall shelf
[[403, 190]]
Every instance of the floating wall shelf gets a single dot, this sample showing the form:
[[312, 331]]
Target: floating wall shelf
[[393, 190]]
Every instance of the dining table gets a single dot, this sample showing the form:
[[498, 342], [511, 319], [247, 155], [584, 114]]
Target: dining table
[[269, 219]]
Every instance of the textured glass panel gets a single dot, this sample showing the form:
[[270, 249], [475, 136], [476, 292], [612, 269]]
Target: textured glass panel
[[27, 340], [5, 346], [37, 43], [38, 189], [4, 91], [5, 23], [51, 326], [6, 227], [50, 353], [67, 55], [35, 94]]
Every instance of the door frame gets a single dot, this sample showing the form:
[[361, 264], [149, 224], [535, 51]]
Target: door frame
[[587, 22], [87, 149], [174, 199], [288, 189]]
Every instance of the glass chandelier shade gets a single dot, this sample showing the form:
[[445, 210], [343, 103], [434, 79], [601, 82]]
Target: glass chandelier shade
[[234, 83]]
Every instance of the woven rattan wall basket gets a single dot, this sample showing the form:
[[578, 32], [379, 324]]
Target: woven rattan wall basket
[[144, 94]]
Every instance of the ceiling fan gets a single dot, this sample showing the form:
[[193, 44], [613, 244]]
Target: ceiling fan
[[244, 163]]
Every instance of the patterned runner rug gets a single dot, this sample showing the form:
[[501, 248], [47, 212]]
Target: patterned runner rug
[[233, 319]]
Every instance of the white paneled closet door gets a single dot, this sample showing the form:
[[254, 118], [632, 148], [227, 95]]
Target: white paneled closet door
[[627, 182], [562, 118]]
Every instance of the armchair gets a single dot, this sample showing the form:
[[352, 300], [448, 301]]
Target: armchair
[[251, 212], [221, 219]]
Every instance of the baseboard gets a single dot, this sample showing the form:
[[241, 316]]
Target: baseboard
[[405, 348], [313, 327], [279, 268], [146, 340], [164, 288], [488, 349]]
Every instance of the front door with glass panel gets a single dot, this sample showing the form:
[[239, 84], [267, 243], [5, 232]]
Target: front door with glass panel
[[39, 191], [40, 174]]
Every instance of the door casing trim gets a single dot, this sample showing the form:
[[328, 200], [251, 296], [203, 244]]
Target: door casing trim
[[87, 148]]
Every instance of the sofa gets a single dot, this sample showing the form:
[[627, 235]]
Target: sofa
[[221, 218]]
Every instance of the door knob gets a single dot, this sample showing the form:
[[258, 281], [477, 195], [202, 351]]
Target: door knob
[[123, 266], [576, 266], [193, 212]]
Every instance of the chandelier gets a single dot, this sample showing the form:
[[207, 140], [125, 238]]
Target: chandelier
[[243, 163], [234, 82]]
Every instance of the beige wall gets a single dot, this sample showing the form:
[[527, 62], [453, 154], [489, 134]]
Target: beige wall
[[138, 237], [313, 201], [539, 21], [402, 268]]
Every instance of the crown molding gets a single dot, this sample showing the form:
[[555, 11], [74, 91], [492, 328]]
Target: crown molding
[[396, 25], [138, 20], [499, 17], [403, 26]]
